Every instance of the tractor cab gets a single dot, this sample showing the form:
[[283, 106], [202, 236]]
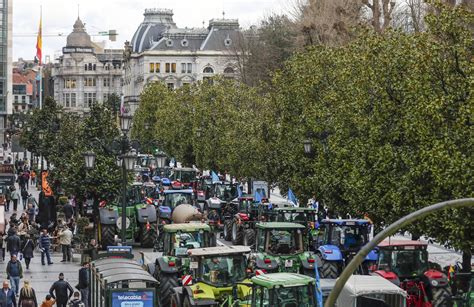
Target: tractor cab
[[347, 235], [406, 261], [283, 289], [280, 238], [187, 176], [304, 216], [179, 238]]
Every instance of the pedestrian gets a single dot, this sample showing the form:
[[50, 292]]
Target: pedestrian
[[15, 196], [14, 273], [45, 245], [24, 227], [8, 197], [92, 249], [26, 178], [83, 284], [3, 244], [33, 177], [61, 291], [65, 239], [13, 244], [27, 250], [27, 296], [76, 301], [24, 197], [68, 210], [7, 296], [21, 180], [31, 213], [48, 301]]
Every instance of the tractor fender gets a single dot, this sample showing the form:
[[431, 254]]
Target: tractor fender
[[330, 252], [178, 292], [162, 264], [372, 256], [260, 263], [150, 267], [305, 263], [388, 275], [146, 214], [206, 296], [214, 203], [164, 212], [108, 216], [436, 279]]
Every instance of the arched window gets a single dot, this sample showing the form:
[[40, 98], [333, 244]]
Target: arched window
[[85, 66], [90, 66], [208, 70], [228, 70]]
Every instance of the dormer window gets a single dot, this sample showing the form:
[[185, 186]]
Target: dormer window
[[208, 70], [227, 42], [169, 42], [184, 43]]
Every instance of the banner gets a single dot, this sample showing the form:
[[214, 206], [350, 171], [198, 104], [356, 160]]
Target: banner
[[45, 185]]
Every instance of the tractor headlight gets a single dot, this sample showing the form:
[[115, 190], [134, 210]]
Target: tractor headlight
[[434, 283]]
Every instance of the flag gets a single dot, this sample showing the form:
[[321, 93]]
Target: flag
[[257, 197], [214, 176], [39, 43], [292, 198], [239, 191], [122, 105]]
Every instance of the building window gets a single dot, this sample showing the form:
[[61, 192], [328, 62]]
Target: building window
[[183, 68], [23, 99], [105, 97], [190, 68], [70, 83], [106, 82], [152, 67], [73, 100], [208, 70], [66, 100], [170, 86], [85, 66], [93, 67], [16, 99], [186, 68], [157, 67], [168, 67], [228, 70], [89, 99], [207, 79], [169, 43], [107, 67], [184, 43], [90, 66], [90, 81]]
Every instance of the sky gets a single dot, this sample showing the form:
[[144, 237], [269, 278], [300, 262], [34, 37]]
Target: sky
[[122, 15]]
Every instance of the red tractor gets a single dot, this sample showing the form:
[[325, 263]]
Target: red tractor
[[405, 263]]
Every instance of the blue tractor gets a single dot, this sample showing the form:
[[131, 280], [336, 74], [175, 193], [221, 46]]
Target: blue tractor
[[339, 241]]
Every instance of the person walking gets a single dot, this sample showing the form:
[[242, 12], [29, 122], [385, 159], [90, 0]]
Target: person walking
[[3, 245], [14, 197], [7, 296], [83, 284], [76, 301], [24, 197], [13, 243], [45, 244], [31, 213], [61, 291], [27, 296], [14, 273], [33, 177], [26, 178], [8, 197], [27, 250], [48, 301], [65, 239]]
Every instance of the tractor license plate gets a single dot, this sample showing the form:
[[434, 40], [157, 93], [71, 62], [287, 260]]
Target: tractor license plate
[[193, 265], [288, 263]]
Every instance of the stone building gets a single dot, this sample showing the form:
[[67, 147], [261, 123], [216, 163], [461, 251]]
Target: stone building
[[25, 90], [86, 73], [160, 51], [6, 14]]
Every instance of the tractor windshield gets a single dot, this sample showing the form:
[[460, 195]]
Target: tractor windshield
[[223, 191], [293, 296], [348, 236], [404, 263], [283, 241], [184, 241], [223, 270], [183, 176], [173, 200]]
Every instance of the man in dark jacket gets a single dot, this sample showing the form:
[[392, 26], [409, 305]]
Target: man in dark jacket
[[13, 244], [7, 296], [61, 291], [44, 243], [14, 273], [83, 284]]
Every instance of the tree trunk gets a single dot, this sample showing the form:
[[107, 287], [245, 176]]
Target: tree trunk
[[376, 16], [466, 260]]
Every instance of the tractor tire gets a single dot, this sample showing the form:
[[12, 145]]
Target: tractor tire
[[187, 302], [441, 297], [167, 283], [228, 230], [328, 269], [249, 237], [148, 238], [107, 235], [237, 234], [176, 301]]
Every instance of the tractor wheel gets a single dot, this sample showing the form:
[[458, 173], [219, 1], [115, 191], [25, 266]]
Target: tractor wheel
[[228, 230], [441, 297], [167, 283], [237, 234], [176, 301], [328, 269], [187, 302], [249, 237], [107, 235], [148, 237]]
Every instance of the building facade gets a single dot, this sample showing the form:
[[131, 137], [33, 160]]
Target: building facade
[[25, 90], [160, 51], [5, 65], [86, 73]]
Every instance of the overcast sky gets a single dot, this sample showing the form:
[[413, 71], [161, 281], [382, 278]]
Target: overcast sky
[[123, 15]]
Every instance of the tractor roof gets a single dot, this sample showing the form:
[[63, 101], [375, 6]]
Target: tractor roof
[[187, 191], [186, 227], [185, 169], [219, 250], [389, 243], [345, 222], [296, 209], [280, 225], [282, 280]]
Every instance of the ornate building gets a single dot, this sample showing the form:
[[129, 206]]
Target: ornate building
[[86, 73], [160, 51]]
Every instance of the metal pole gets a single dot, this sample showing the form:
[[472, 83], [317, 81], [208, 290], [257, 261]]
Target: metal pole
[[124, 203], [390, 230]]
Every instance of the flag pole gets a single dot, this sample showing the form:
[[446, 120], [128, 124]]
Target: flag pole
[[40, 60]]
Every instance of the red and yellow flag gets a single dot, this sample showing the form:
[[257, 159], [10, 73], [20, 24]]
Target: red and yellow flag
[[39, 43]]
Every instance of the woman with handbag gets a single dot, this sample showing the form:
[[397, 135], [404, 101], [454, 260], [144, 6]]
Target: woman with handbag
[[27, 250], [27, 296]]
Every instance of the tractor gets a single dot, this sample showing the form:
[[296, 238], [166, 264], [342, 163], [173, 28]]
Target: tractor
[[204, 187], [280, 248], [338, 242], [405, 263], [186, 176], [221, 193], [141, 221], [218, 277], [172, 199], [304, 216], [178, 240]]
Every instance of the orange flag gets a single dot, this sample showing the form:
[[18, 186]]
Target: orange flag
[[39, 43]]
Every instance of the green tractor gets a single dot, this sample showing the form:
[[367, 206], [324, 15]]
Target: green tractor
[[218, 277], [281, 247], [141, 222], [178, 240]]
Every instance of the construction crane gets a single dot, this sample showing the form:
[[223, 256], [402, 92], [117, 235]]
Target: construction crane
[[112, 34]]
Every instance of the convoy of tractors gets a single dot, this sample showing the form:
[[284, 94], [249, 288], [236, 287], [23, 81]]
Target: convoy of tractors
[[214, 245]]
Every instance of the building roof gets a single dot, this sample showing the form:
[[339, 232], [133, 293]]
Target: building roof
[[280, 225], [79, 36], [282, 280], [219, 250], [186, 227]]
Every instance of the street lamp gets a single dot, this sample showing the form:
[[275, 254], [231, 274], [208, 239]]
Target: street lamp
[[89, 158], [125, 123], [160, 159], [130, 159], [128, 164], [308, 146]]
